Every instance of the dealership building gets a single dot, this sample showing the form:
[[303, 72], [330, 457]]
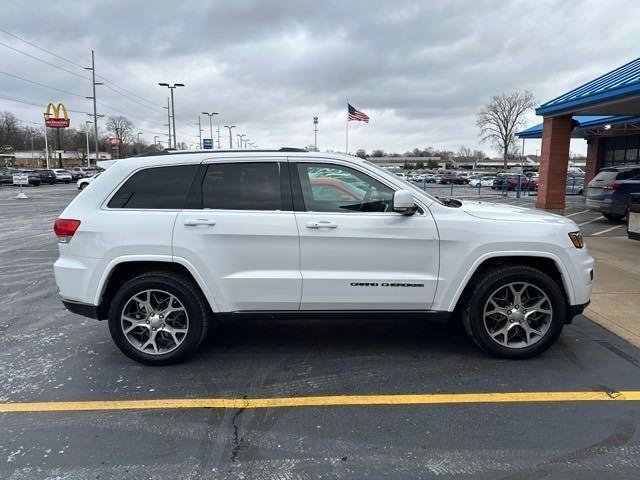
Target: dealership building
[[605, 112]]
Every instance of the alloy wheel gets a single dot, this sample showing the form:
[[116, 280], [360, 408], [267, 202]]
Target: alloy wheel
[[154, 322], [517, 315]]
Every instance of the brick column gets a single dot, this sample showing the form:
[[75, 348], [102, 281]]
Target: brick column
[[594, 158], [554, 161]]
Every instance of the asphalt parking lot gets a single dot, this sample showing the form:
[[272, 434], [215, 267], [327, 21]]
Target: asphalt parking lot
[[394, 398]]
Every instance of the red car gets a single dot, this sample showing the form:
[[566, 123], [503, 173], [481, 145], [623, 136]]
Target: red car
[[452, 178]]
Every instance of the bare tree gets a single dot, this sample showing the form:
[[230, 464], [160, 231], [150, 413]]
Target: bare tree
[[501, 117], [122, 129]]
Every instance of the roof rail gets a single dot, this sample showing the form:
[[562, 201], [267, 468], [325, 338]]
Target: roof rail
[[172, 151]]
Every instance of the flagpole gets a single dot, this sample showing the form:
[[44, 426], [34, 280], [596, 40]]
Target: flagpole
[[346, 148]]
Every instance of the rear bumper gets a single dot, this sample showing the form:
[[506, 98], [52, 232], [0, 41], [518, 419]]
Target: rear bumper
[[607, 206], [84, 309]]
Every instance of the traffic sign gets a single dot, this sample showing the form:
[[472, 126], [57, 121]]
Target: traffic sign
[[20, 179], [207, 143]]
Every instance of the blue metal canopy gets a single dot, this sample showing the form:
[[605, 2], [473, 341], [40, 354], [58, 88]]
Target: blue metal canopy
[[610, 93], [586, 122]]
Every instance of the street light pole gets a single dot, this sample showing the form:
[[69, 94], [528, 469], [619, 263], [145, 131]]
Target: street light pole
[[139, 133], [315, 133], [168, 107], [230, 136], [210, 115], [199, 133], [155, 141], [241, 140], [173, 108]]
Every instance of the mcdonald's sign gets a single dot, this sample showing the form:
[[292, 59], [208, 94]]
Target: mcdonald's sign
[[52, 116]]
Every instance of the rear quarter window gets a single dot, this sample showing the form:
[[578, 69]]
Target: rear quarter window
[[156, 188]]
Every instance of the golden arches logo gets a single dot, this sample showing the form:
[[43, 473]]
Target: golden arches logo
[[52, 116]]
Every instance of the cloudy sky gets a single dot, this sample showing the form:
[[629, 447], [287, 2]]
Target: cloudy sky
[[420, 69]]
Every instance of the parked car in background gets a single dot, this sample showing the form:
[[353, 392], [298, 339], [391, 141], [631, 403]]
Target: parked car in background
[[575, 185], [482, 180], [510, 181], [47, 176], [453, 178], [6, 176], [79, 172], [62, 175], [83, 182], [609, 190]]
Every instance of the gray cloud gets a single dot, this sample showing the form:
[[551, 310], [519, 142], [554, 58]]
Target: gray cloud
[[421, 70]]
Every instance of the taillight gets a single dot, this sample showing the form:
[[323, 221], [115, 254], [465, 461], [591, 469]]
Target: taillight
[[612, 186], [65, 228]]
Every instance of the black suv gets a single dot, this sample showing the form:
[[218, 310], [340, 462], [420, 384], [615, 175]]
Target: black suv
[[609, 190], [47, 176]]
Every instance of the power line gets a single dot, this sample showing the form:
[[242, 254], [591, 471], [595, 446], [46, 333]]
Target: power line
[[74, 64], [41, 84], [44, 61], [128, 97], [27, 102], [40, 48]]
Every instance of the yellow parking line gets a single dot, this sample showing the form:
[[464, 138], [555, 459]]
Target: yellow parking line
[[591, 221], [606, 230], [577, 213], [334, 400]]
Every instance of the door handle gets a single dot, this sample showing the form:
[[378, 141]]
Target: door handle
[[194, 222], [321, 224]]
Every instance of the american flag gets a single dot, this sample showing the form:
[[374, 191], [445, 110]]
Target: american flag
[[357, 115]]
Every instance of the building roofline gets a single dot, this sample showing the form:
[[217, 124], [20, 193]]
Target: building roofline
[[618, 83]]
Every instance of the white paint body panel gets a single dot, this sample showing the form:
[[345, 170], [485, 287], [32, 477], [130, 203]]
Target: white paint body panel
[[256, 260]]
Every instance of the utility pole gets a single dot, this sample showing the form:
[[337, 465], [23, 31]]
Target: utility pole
[[173, 108], [315, 133], [230, 136], [139, 133], [155, 141], [95, 112], [46, 142], [86, 131]]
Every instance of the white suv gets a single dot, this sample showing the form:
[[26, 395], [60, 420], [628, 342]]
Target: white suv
[[164, 245]]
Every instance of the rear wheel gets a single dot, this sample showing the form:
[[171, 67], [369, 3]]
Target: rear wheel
[[515, 312], [158, 318], [613, 217]]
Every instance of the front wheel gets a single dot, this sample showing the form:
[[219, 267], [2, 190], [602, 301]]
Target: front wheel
[[158, 318], [515, 312]]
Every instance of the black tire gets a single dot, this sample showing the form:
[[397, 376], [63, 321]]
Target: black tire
[[613, 217], [83, 185], [186, 292], [492, 280]]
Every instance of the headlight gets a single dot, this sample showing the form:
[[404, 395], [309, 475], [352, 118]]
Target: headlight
[[576, 239]]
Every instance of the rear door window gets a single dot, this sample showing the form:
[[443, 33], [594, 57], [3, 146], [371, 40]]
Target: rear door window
[[242, 186], [156, 188]]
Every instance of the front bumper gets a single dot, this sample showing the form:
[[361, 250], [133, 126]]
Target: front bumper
[[574, 310]]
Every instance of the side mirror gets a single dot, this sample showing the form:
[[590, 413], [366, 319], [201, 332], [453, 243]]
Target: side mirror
[[403, 202]]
